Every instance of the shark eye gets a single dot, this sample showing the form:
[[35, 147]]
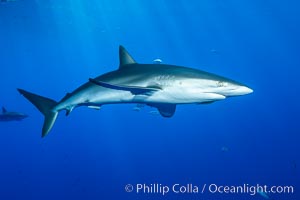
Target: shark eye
[[221, 84]]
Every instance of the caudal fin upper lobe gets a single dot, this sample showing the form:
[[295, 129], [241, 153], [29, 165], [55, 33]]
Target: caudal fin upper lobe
[[45, 106]]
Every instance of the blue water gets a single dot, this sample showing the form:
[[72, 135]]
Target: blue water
[[52, 47]]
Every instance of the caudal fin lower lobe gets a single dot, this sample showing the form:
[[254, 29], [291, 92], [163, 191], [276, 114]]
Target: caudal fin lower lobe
[[45, 106]]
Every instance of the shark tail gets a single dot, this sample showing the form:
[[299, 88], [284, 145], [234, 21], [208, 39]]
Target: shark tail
[[45, 106]]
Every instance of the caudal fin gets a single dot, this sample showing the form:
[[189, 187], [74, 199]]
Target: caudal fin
[[45, 106]]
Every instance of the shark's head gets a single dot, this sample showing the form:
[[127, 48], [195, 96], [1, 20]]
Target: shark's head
[[229, 88]]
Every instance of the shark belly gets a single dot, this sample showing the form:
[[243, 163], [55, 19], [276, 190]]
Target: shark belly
[[177, 95]]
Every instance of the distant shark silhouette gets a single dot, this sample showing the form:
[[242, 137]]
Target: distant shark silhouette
[[157, 85], [11, 116]]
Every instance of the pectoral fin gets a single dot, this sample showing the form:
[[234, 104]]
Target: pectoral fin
[[133, 89], [166, 110]]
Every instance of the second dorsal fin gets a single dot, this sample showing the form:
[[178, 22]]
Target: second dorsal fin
[[125, 57]]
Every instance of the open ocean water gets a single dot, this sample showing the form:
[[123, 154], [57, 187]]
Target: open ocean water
[[50, 47]]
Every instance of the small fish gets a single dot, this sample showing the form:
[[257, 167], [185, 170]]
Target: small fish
[[157, 61], [224, 149], [263, 193], [153, 112], [138, 107], [214, 51]]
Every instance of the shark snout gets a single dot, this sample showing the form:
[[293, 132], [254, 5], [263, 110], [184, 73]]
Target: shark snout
[[242, 90], [235, 90]]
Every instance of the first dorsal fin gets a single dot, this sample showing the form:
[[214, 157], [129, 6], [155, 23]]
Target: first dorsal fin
[[4, 110], [125, 57]]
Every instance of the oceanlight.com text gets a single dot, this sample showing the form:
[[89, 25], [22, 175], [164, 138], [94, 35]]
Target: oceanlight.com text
[[250, 189], [189, 188]]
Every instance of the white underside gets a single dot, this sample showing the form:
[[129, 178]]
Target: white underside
[[173, 95]]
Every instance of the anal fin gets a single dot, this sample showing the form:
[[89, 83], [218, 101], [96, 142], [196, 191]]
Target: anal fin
[[69, 110]]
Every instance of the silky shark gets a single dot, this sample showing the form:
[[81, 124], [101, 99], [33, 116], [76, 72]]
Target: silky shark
[[11, 116], [156, 85]]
